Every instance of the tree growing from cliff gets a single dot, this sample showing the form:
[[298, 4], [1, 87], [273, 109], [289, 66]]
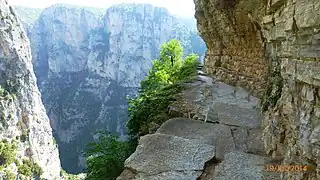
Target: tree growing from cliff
[[160, 88]]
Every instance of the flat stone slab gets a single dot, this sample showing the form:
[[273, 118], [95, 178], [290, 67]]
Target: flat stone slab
[[217, 135], [212, 115], [170, 175], [232, 107], [237, 116], [238, 165], [193, 94], [159, 153], [225, 93]]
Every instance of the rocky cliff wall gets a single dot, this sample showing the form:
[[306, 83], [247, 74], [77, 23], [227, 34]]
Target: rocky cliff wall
[[271, 47], [235, 45], [23, 117]]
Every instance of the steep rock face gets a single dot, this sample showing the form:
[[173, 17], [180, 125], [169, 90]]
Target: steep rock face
[[271, 47], [235, 48], [87, 64], [68, 46], [135, 34], [23, 116]]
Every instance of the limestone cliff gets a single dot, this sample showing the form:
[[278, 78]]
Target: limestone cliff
[[87, 63], [26, 135], [271, 47]]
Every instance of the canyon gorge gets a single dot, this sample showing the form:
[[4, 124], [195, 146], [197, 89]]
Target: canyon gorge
[[87, 61], [66, 72]]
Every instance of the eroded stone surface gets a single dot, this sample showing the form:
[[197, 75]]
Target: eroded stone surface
[[196, 100], [160, 153], [214, 134], [234, 106], [248, 140]]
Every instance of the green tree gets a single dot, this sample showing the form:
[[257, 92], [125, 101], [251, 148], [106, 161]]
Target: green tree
[[106, 156], [159, 89]]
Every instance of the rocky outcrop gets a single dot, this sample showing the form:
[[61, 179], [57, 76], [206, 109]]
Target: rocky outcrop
[[86, 65], [215, 135], [271, 47], [24, 123]]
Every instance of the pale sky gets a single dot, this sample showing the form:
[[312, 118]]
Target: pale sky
[[177, 7]]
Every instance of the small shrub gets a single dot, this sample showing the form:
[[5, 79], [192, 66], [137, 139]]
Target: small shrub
[[67, 176], [29, 168], [19, 125], [273, 91], [105, 158], [227, 4], [17, 162], [9, 175], [54, 141], [11, 87], [7, 153], [4, 93]]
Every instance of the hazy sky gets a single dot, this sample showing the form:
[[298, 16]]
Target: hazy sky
[[177, 7]]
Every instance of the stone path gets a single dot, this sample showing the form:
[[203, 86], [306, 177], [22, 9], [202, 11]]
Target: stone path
[[214, 133]]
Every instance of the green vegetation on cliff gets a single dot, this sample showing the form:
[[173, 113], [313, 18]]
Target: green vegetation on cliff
[[160, 88], [105, 158], [9, 88], [29, 168], [9, 175], [7, 153], [274, 89]]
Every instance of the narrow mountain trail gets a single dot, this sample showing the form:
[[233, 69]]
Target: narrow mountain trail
[[214, 133]]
